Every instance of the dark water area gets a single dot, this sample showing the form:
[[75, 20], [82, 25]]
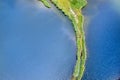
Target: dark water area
[[36, 43], [102, 28]]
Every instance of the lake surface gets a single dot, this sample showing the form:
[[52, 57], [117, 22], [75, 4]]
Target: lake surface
[[102, 28], [36, 43]]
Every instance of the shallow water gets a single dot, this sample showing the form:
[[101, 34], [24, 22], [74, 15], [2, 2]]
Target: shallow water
[[36, 43], [102, 28]]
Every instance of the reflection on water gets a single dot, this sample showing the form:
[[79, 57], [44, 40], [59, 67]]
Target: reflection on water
[[35, 44], [103, 40]]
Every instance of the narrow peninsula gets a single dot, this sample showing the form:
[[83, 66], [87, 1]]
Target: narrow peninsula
[[73, 8]]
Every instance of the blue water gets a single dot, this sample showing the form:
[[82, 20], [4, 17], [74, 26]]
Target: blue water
[[36, 43], [102, 28]]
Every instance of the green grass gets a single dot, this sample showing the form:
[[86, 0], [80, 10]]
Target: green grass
[[72, 8]]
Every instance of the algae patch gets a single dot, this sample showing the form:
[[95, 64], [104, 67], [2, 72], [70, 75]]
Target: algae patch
[[72, 8]]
